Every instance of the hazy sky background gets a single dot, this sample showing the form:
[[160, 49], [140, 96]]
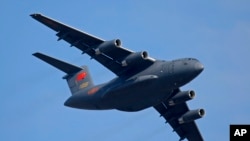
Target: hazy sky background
[[217, 32]]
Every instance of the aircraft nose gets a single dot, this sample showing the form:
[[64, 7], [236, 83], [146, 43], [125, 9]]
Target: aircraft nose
[[198, 67]]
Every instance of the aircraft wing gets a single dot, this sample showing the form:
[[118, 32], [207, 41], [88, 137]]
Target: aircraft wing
[[187, 130], [111, 59]]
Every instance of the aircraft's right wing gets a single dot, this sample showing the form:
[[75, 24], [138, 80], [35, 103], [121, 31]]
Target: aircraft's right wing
[[173, 114], [109, 53]]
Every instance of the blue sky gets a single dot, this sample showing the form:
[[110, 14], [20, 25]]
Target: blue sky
[[216, 32]]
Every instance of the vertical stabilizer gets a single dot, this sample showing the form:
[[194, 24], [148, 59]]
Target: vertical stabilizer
[[78, 78]]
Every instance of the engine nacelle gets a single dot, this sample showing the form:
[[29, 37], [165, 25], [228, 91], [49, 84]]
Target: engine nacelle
[[191, 116], [181, 97], [134, 58], [107, 46]]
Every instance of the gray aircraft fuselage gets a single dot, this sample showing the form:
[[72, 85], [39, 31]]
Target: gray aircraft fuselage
[[142, 90]]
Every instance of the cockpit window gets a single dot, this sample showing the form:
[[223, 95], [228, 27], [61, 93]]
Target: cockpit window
[[191, 59], [183, 59]]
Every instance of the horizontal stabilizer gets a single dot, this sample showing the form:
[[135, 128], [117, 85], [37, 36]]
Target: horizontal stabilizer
[[61, 65]]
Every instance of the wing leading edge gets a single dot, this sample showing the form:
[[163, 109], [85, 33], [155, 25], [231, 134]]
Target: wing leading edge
[[172, 115], [111, 58]]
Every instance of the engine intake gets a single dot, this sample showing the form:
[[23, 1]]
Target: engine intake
[[181, 97], [107, 46], [135, 58], [191, 116]]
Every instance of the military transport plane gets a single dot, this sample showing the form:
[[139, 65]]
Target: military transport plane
[[141, 81]]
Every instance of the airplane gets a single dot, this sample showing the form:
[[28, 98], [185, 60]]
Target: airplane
[[141, 81]]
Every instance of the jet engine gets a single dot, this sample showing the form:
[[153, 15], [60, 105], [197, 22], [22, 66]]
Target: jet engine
[[191, 116], [181, 97], [107, 46], [135, 58]]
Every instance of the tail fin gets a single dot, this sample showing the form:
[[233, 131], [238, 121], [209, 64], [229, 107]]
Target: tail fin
[[77, 77]]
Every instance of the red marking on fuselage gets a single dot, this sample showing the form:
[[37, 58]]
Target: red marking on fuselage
[[81, 76], [93, 90]]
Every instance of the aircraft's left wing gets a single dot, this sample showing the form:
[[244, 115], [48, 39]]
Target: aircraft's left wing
[[109, 53], [173, 116]]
